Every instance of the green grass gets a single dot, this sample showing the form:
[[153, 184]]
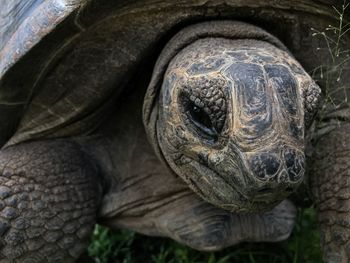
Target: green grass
[[126, 246]]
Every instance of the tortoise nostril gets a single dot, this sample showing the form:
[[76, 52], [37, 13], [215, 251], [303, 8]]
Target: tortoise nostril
[[295, 163], [264, 165]]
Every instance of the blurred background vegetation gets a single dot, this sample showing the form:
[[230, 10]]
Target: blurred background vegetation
[[128, 247]]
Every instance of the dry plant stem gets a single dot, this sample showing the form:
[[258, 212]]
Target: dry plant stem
[[331, 73]]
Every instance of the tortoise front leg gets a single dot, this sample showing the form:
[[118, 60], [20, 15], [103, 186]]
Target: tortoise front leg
[[48, 202], [189, 220], [330, 179], [208, 228]]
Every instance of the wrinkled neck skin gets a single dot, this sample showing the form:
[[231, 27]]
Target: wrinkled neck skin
[[134, 181]]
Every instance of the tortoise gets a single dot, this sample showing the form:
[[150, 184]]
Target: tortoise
[[193, 120]]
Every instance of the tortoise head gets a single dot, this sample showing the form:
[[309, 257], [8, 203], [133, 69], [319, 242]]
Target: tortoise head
[[231, 121]]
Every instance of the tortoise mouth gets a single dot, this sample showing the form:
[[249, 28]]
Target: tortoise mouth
[[232, 193]]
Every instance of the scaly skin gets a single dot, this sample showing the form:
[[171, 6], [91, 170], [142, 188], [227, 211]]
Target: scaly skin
[[330, 178], [48, 200]]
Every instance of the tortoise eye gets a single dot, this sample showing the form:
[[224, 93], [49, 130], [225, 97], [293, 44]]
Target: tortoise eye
[[201, 120]]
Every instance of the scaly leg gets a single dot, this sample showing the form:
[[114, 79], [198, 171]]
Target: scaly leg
[[193, 222], [48, 201], [330, 179], [205, 227]]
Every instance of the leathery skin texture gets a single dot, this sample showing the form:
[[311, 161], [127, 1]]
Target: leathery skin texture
[[330, 186]]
